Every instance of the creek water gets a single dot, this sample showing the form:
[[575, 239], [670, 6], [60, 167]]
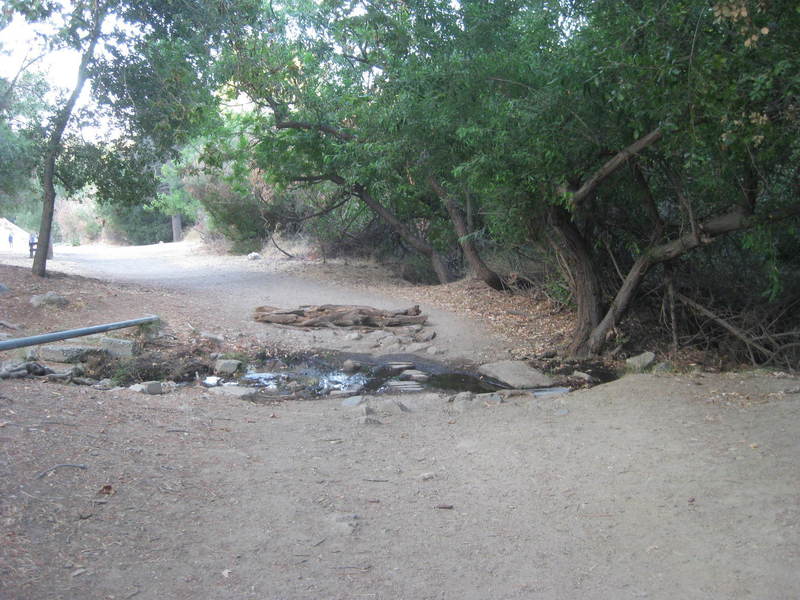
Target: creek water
[[316, 375]]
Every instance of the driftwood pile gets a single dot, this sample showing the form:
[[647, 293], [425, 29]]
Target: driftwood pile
[[338, 315]]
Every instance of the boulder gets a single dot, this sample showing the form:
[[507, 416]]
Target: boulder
[[234, 391], [153, 388], [641, 361], [49, 299], [254, 256], [516, 373], [66, 354], [227, 366], [119, 348]]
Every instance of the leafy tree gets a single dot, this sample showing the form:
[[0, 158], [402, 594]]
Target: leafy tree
[[151, 70]]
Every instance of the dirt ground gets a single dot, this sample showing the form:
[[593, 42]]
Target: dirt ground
[[681, 485]]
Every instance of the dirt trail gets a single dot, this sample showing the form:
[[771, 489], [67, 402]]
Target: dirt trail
[[659, 487], [226, 289]]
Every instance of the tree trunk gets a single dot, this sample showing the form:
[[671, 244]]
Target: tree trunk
[[479, 268], [54, 149], [708, 232], [584, 285], [177, 228], [420, 245]]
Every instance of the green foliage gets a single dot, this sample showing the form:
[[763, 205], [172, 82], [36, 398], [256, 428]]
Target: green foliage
[[137, 224]]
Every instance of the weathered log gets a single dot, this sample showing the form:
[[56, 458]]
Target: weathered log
[[335, 315]]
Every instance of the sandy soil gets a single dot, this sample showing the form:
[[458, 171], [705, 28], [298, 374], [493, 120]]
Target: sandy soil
[[670, 486]]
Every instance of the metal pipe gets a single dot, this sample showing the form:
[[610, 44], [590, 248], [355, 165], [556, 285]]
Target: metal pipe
[[44, 338]]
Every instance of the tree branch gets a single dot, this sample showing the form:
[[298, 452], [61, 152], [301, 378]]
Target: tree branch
[[302, 125], [614, 163]]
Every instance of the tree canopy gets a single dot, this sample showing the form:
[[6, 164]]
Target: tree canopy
[[621, 138]]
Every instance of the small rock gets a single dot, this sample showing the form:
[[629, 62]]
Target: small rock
[[549, 354], [581, 375], [369, 421], [427, 476], [136, 387], [212, 381], [353, 401], [641, 361], [350, 391], [389, 340], [85, 381], [392, 349], [432, 350], [367, 410], [398, 367], [414, 375], [4, 289], [404, 386], [561, 412], [227, 366], [49, 299], [351, 366], [212, 337], [353, 336], [254, 256], [104, 384]]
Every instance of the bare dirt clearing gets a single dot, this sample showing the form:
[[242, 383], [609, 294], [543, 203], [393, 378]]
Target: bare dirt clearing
[[672, 486]]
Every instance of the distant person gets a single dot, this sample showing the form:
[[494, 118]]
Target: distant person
[[32, 241], [11, 239]]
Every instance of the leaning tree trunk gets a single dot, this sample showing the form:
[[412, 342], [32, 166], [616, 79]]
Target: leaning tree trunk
[[416, 242], [566, 239], [708, 231], [54, 149], [479, 268]]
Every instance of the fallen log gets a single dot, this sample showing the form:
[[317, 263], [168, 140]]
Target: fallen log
[[339, 315]]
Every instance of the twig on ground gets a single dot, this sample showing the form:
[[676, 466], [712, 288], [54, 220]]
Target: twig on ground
[[51, 469]]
